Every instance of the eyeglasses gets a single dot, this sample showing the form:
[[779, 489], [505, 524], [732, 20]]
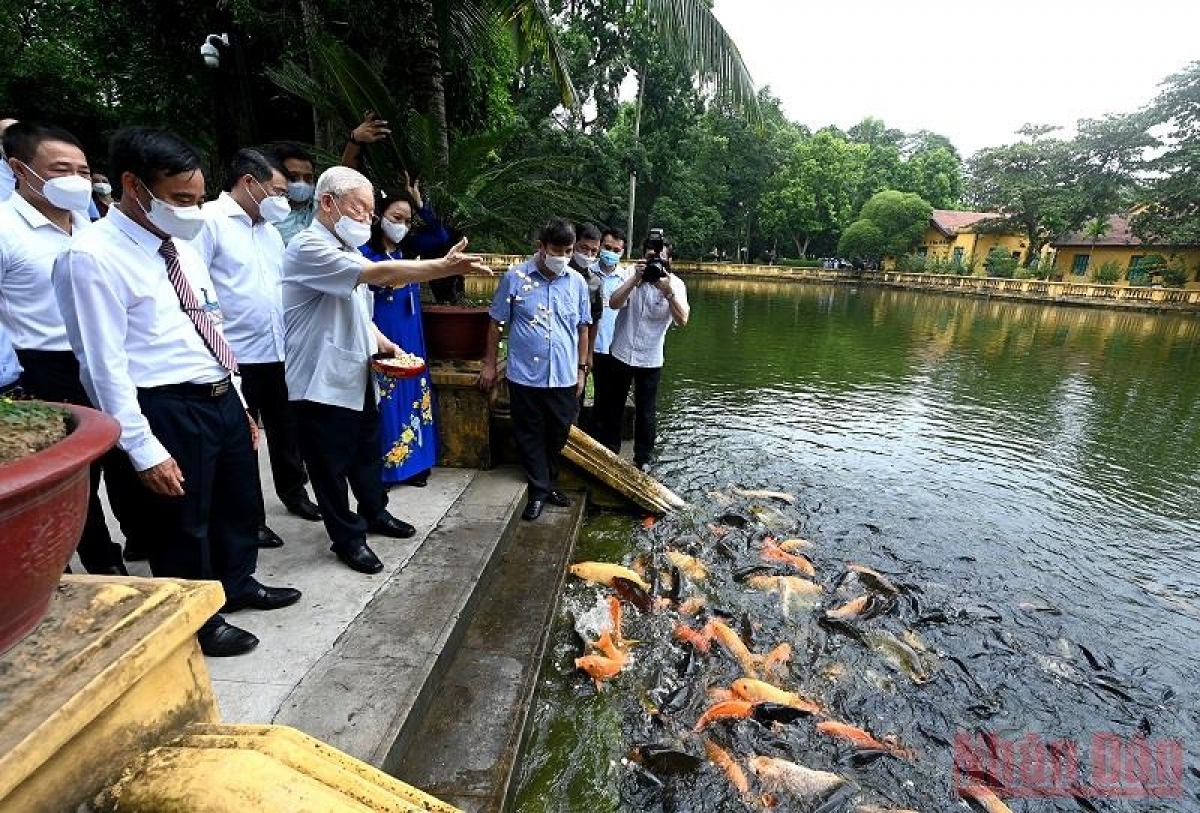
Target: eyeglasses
[[356, 213]]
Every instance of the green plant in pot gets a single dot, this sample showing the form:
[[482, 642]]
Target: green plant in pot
[[45, 455]]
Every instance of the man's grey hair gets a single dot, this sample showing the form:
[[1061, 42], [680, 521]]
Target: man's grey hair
[[337, 181]]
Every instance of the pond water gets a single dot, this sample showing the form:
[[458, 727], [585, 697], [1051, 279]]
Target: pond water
[[1027, 476]]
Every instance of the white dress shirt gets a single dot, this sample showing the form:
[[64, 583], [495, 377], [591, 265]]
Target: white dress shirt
[[126, 325], [245, 260], [642, 323], [28, 245], [327, 314], [10, 366]]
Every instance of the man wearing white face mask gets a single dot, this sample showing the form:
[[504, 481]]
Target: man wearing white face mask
[[244, 255], [35, 226], [144, 320], [330, 340]]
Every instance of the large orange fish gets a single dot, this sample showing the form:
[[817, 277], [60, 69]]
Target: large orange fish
[[606, 665], [720, 757], [725, 710], [761, 691], [988, 800], [733, 644], [616, 615], [771, 552], [851, 609], [860, 738], [604, 573]]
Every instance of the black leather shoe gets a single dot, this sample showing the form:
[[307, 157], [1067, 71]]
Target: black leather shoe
[[387, 525], [533, 510], [261, 597], [268, 538], [559, 499], [359, 557], [135, 554], [304, 508], [419, 480], [225, 641]]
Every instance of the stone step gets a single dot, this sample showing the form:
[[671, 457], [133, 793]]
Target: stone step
[[466, 748], [379, 676]]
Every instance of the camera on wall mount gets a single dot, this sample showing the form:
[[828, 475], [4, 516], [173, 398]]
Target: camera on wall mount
[[210, 51], [657, 263]]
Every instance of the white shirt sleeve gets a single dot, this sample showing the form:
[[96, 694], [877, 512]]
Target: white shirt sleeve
[[96, 321], [205, 243]]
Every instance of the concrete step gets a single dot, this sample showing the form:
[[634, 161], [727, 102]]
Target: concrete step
[[366, 692], [466, 748]]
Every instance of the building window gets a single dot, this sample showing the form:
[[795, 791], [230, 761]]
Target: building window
[[1079, 266], [958, 255], [1135, 262]]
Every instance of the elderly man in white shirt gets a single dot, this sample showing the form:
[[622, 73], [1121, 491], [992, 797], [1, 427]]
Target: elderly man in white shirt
[[244, 254], [647, 304], [330, 341], [36, 225], [143, 319]]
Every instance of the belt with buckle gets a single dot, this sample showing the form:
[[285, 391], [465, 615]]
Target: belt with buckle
[[213, 390]]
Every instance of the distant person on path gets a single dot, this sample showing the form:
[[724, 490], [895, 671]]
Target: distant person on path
[[244, 254], [36, 225], [408, 431], [102, 197], [610, 274], [546, 309], [329, 343], [646, 309], [143, 319]]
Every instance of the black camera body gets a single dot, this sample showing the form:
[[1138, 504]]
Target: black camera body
[[657, 265]]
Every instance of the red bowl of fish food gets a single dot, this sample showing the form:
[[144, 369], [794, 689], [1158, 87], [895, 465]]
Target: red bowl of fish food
[[401, 365]]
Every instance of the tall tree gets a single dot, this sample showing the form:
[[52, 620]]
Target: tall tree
[[896, 222], [1175, 215]]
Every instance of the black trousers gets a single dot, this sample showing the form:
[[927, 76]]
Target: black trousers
[[541, 421], [53, 376], [211, 532], [340, 448], [608, 405], [645, 405], [266, 394]]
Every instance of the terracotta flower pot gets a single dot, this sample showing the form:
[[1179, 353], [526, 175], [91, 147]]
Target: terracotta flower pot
[[43, 503], [455, 332]]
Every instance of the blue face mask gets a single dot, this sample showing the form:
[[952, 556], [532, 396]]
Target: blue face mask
[[609, 258]]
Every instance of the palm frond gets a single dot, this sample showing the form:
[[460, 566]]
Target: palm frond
[[535, 30], [698, 37]]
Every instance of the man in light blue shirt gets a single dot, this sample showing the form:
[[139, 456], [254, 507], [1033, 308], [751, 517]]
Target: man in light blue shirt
[[545, 307], [298, 166]]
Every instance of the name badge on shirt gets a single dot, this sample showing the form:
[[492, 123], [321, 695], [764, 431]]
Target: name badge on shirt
[[212, 308]]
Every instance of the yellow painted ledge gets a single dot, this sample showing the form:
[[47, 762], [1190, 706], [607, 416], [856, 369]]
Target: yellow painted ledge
[[218, 768]]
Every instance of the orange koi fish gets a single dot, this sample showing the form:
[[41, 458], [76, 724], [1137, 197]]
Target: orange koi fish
[[726, 710], [733, 644], [771, 552], [615, 613], [757, 691], [720, 757], [860, 738], [988, 800], [700, 639]]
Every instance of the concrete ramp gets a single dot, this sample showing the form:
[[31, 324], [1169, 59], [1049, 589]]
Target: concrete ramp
[[619, 474]]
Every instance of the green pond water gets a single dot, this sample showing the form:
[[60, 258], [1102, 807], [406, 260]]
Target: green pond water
[[1028, 474]]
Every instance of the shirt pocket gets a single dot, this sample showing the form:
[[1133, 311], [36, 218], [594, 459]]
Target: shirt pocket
[[339, 370]]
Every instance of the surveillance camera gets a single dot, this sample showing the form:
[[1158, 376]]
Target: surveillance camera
[[212, 57], [209, 50]]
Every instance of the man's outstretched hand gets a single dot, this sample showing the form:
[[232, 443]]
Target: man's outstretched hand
[[458, 262]]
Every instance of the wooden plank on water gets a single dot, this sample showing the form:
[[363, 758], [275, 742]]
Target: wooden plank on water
[[619, 474]]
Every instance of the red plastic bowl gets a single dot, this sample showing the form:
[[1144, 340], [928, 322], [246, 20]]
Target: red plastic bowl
[[43, 503]]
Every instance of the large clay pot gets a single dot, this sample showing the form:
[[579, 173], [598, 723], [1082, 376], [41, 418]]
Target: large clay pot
[[43, 503], [454, 332]]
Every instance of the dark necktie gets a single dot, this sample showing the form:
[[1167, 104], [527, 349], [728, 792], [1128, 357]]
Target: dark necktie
[[212, 337]]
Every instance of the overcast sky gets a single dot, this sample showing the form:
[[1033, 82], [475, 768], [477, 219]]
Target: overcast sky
[[971, 71]]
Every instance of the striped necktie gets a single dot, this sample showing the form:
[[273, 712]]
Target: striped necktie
[[212, 337]]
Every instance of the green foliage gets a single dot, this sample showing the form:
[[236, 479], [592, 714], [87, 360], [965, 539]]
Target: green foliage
[[1109, 273], [898, 219], [1175, 215], [1175, 273], [864, 239], [1000, 263]]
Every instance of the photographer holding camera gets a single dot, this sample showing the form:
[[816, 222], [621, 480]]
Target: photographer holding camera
[[647, 304]]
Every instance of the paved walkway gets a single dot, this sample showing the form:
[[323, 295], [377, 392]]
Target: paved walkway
[[350, 659]]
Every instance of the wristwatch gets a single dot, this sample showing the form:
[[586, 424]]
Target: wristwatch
[[585, 368]]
